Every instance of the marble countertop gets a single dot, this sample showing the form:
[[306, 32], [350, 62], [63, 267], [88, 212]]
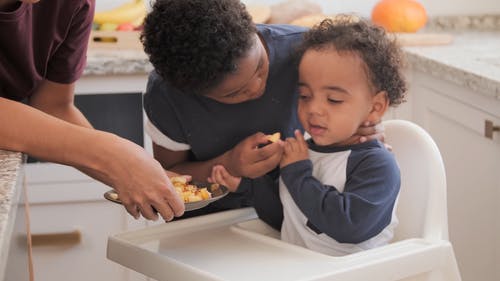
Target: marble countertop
[[472, 60], [10, 167], [107, 61]]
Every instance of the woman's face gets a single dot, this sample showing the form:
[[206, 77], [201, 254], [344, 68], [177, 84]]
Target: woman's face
[[248, 82]]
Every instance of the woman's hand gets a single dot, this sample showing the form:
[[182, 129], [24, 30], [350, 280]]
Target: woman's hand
[[142, 183], [171, 174], [221, 176], [248, 160], [295, 149]]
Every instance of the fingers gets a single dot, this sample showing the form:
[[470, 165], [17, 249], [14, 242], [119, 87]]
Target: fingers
[[366, 131], [299, 136], [265, 152], [290, 145], [221, 176], [167, 203], [213, 178], [269, 151], [256, 139], [267, 163], [148, 212], [137, 209], [369, 131], [165, 211], [297, 144], [172, 174], [167, 207], [222, 171], [388, 147], [187, 177], [376, 136], [131, 208], [173, 200]]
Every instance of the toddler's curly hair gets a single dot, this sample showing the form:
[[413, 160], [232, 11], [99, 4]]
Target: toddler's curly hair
[[380, 52], [193, 44]]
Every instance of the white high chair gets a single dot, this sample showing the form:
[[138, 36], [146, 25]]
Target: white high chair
[[235, 245]]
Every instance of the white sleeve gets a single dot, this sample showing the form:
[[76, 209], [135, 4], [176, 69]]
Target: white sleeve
[[162, 140]]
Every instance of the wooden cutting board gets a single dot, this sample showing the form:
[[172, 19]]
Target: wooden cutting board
[[424, 39]]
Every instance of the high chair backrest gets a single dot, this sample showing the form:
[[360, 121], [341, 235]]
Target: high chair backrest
[[421, 209]]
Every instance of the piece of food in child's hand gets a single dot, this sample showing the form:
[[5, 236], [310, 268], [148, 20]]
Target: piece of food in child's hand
[[274, 137], [270, 139]]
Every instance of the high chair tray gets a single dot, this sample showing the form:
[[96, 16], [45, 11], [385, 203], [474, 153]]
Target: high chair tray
[[213, 247], [234, 245]]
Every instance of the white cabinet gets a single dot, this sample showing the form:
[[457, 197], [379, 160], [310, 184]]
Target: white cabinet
[[70, 224], [456, 117], [15, 258]]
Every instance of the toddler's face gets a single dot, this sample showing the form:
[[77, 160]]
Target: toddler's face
[[335, 96], [249, 80]]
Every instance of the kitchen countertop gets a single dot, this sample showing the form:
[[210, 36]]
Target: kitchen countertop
[[10, 168], [107, 62], [472, 60]]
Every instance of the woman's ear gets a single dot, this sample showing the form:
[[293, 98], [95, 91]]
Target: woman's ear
[[380, 103]]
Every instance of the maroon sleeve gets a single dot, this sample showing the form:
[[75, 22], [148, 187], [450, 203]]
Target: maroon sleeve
[[67, 63]]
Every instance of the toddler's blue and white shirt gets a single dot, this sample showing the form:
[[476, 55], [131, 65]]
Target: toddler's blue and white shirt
[[342, 200]]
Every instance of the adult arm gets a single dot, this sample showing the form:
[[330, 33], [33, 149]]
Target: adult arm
[[358, 213], [57, 99], [119, 163]]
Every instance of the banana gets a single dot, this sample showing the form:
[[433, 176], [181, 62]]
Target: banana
[[138, 21], [126, 12]]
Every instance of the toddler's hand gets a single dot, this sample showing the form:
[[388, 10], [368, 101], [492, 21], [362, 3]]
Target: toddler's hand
[[294, 150], [221, 176], [246, 159]]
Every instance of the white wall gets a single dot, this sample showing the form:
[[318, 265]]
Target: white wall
[[363, 7]]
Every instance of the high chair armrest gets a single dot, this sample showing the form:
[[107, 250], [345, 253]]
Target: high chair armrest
[[399, 261]]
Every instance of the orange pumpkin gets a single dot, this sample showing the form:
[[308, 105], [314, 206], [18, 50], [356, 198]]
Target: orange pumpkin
[[399, 15]]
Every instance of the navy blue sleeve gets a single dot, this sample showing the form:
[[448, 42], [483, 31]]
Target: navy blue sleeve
[[265, 197], [365, 207]]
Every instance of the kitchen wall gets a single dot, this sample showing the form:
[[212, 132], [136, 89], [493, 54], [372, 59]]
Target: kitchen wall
[[363, 7]]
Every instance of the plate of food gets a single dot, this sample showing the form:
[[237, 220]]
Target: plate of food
[[195, 195]]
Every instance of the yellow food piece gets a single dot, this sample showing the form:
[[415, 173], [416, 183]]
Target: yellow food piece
[[205, 194], [189, 192], [138, 21], [274, 137]]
